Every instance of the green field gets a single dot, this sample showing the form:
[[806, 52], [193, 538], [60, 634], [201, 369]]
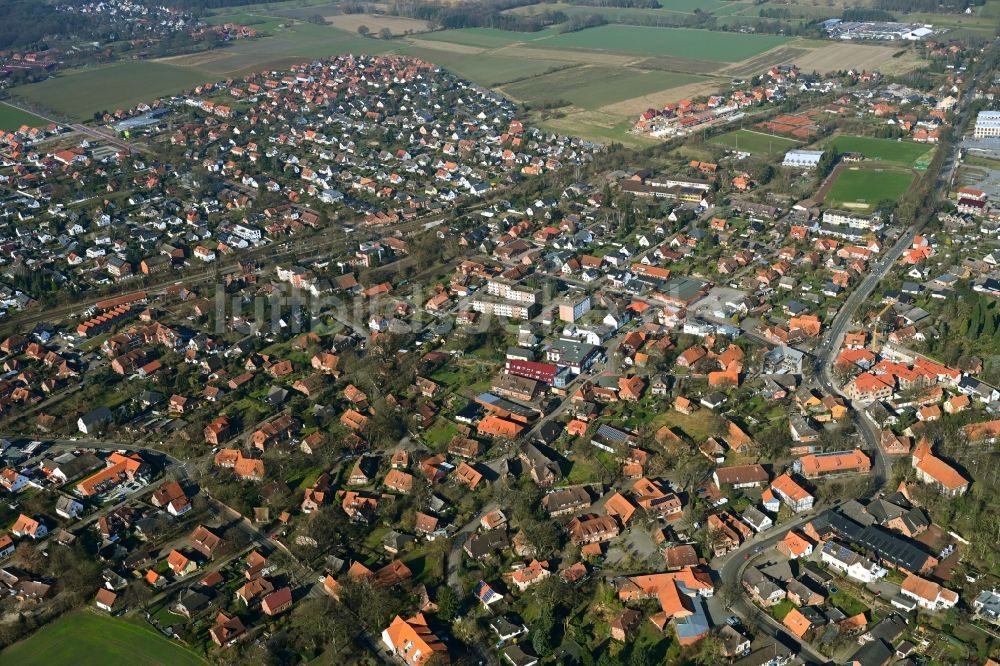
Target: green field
[[84, 638], [12, 119], [677, 42], [78, 95], [756, 143], [638, 40], [623, 14], [630, 14], [868, 186], [285, 46], [487, 38], [903, 153], [595, 126], [486, 71], [594, 87]]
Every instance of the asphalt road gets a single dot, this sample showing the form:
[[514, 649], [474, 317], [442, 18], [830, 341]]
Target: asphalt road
[[730, 569], [457, 542]]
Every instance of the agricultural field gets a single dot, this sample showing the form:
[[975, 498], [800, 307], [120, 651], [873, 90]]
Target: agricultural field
[[595, 87], [903, 153], [725, 47], [84, 638], [863, 188], [396, 25], [756, 143], [491, 72], [12, 119], [488, 38], [301, 10], [79, 94], [292, 43], [628, 14]]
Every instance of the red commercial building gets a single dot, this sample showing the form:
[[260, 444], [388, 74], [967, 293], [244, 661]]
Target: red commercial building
[[540, 372]]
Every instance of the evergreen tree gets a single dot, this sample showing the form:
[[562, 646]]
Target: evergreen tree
[[972, 329]]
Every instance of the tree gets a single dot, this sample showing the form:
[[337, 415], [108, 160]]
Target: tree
[[385, 33], [541, 630], [639, 656], [989, 321], [320, 623], [826, 163], [374, 606], [448, 603], [708, 651], [364, 30], [543, 535]]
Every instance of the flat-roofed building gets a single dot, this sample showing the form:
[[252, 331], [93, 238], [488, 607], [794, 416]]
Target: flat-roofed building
[[802, 159], [987, 125]]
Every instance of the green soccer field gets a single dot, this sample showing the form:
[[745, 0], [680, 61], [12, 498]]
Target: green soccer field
[[85, 638], [756, 143], [903, 153], [859, 187]]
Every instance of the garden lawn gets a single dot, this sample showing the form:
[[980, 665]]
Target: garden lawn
[[848, 604], [903, 153], [695, 426], [860, 188], [582, 471], [85, 638], [781, 609]]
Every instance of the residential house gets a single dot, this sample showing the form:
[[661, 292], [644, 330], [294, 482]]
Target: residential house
[[796, 497], [412, 640], [928, 594]]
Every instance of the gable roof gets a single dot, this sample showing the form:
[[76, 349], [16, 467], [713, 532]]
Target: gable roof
[[413, 640], [797, 623], [943, 473]]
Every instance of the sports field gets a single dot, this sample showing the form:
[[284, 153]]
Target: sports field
[[757, 143], [640, 40], [864, 188], [12, 119], [79, 94], [85, 638], [903, 153]]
